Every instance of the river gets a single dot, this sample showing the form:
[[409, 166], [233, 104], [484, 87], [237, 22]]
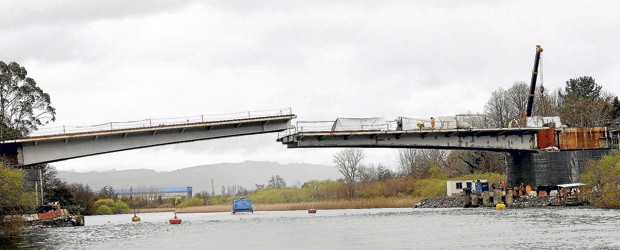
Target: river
[[403, 228]]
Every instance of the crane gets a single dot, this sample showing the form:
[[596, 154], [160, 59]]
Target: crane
[[530, 100]]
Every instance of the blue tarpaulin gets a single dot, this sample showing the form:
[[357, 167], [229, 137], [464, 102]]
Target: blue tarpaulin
[[243, 204]]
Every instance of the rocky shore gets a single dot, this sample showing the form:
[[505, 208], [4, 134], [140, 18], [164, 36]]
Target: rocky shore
[[457, 202]]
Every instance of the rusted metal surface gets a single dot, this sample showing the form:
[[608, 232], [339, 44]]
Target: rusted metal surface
[[546, 138], [583, 138]]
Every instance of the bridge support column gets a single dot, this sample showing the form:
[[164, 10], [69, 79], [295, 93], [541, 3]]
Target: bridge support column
[[548, 168]]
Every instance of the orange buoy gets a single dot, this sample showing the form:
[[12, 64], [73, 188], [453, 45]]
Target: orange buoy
[[312, 211], [175, 220]]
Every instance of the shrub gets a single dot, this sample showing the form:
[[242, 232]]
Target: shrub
[[602, 176], [219, 200], [104, 209], [115, 207], [192, 202]]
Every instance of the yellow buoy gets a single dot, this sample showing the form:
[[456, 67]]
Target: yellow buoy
[[500, 206], [135, 218]]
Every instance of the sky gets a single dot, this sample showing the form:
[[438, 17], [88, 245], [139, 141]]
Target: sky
[[104, 61]]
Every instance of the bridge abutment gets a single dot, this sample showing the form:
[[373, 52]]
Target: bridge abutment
[[549, 168]]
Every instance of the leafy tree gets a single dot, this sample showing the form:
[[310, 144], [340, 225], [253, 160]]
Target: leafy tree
[[276, 182], [604, 177], [55, 189], [14, 198], [584, 104], [110, 206], [23, 105], [84, 197]]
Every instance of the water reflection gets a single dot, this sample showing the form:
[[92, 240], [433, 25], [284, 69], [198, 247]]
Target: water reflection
[[362, 228]]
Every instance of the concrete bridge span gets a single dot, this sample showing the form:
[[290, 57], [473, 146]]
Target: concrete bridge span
[[51, 148]]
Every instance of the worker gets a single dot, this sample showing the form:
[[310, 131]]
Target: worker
[[432, 123], [420, 125]]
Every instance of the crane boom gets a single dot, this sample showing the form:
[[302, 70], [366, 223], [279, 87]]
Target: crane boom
[[530, 100]]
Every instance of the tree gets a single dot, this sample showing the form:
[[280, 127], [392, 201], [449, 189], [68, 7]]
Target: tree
[[14, 199], [348, 163], [107, 192], [368, 173], [384, 173], [584, 104], [276, 182], [461, 162], [23, 105], [505, 106], [84, 197], [417, 162], [604, 178]]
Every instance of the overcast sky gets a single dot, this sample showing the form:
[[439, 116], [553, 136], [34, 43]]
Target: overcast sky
[[107, 61]]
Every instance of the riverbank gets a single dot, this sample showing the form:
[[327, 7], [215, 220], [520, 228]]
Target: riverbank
[[337, 204], [457, 201]]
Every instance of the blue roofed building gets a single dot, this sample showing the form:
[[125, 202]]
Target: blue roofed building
[[163, 192]]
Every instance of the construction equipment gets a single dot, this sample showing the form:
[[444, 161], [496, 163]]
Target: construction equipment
[[530, 100]]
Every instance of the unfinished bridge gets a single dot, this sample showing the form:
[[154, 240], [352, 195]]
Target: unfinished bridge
[[68, 142], [538, 154]]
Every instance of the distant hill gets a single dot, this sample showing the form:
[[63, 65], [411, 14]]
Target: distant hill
[[245, 174]]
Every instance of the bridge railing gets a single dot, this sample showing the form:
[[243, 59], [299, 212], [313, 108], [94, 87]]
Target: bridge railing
[[326, 126], [155, 122]]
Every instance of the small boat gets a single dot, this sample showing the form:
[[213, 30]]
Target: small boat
[[312, 211]]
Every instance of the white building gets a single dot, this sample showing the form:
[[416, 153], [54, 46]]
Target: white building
[[456, 187]]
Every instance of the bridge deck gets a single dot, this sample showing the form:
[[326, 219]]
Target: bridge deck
[[56, 147], [495, 139]]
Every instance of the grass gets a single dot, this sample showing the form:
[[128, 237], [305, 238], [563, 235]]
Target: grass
[[392, 202]]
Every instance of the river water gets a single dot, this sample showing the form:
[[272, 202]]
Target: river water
[[406, 228]]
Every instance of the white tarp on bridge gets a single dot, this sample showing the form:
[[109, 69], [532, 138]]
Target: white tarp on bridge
[[441, 122], [349, 124]]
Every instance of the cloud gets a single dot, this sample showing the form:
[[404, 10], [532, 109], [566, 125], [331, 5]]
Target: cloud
[[104, 62]]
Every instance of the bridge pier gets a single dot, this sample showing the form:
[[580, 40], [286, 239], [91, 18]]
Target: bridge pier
[[549, 168]]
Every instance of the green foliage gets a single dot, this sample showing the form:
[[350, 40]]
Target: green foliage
[[604, 177], [283, 195], [192, 202], [374, 190], [14, 197], [23, 105], [436, 173], [429, 188], [115, 207], [219, 200], [103, 209]]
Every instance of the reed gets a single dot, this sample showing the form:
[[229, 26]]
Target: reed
[[392, 202]]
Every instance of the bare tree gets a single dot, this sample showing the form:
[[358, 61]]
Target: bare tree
[[462, 162], [417, 162], [348, 163], [368, 173]]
